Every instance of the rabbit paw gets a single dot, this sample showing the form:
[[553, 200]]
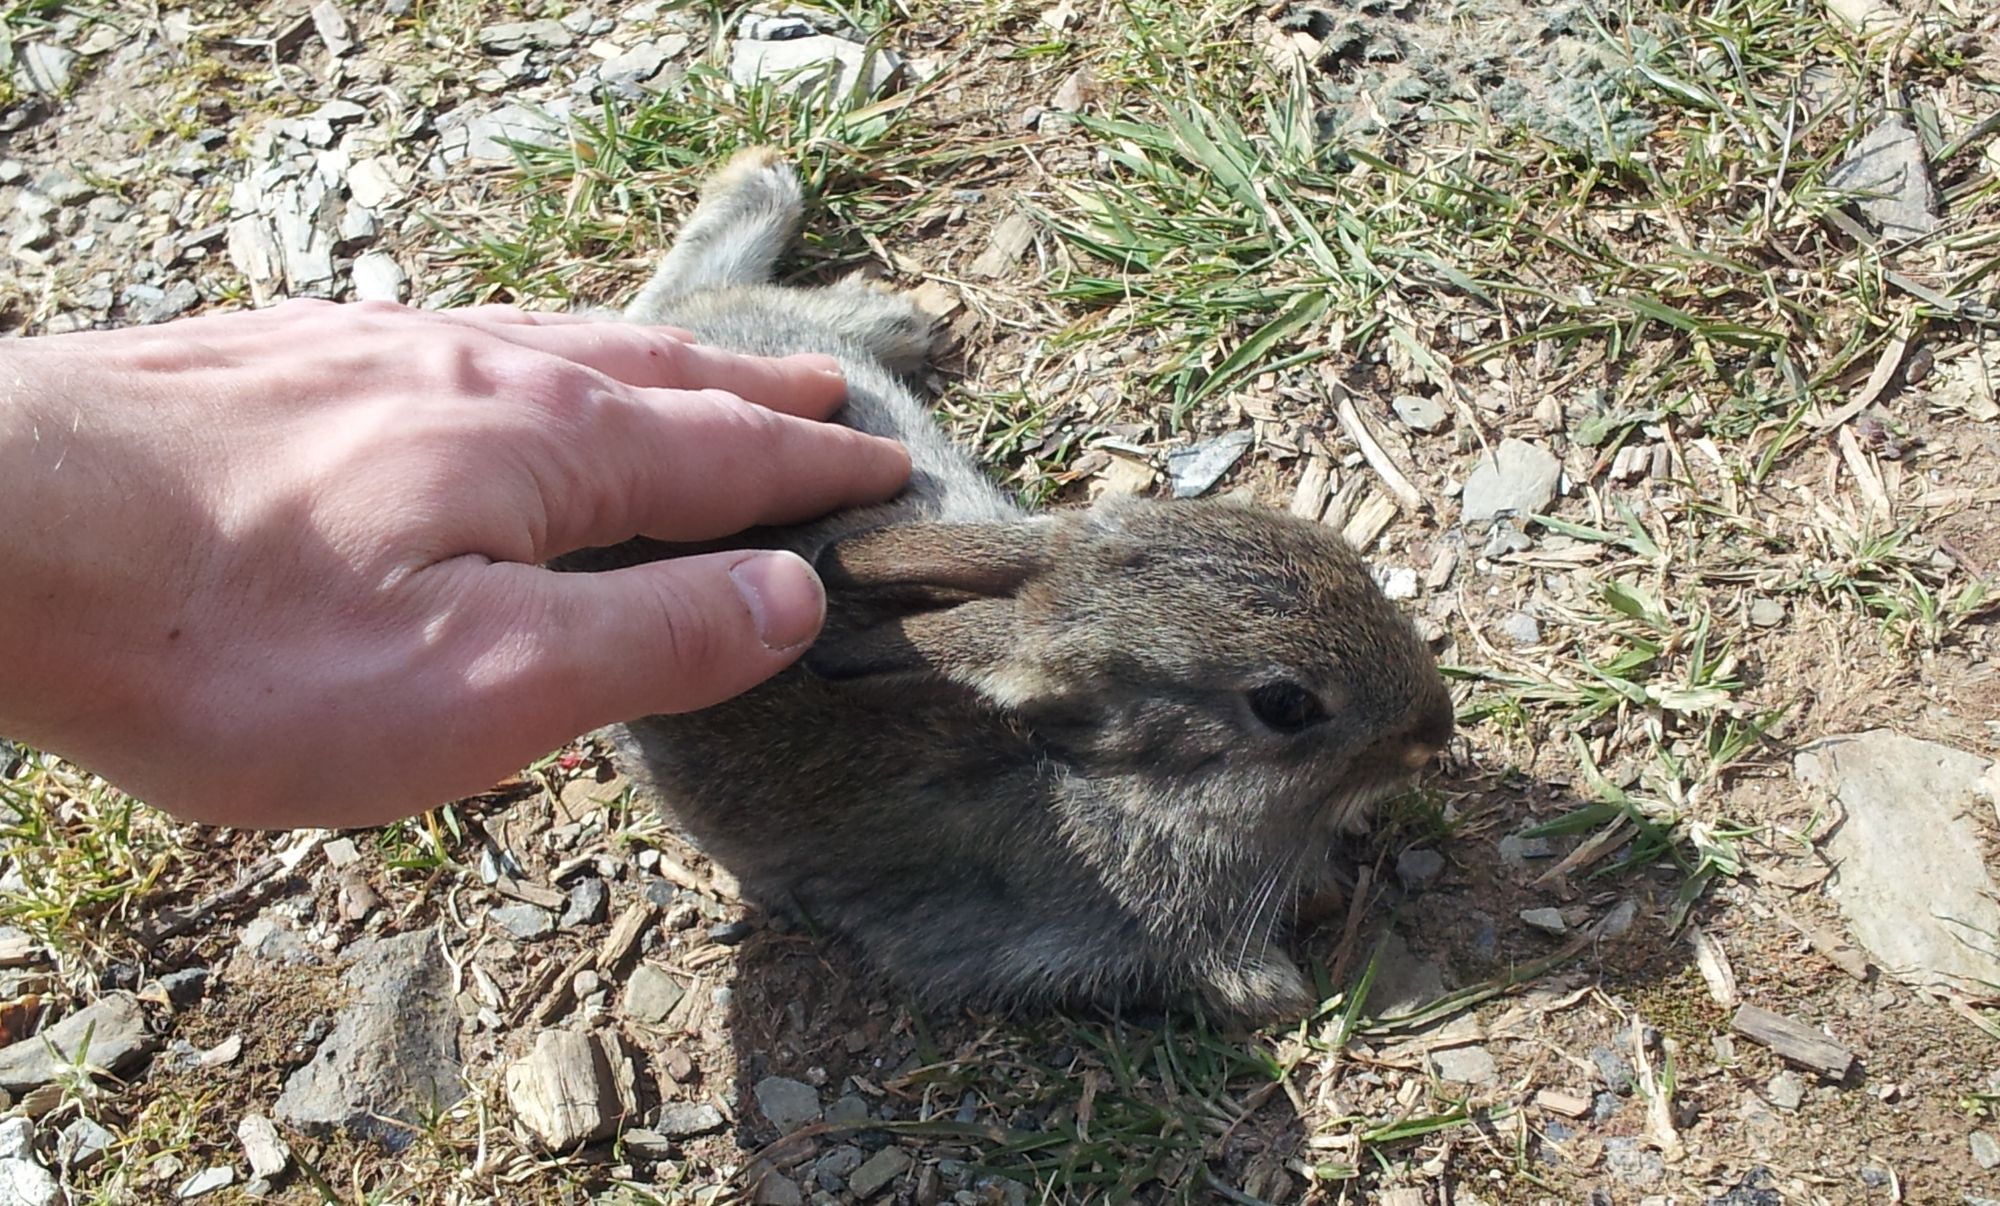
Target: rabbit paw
[[1259, 992]]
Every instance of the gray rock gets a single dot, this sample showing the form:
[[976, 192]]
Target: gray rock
[[60, 186], [26, 1183], [512, 37], [1419, 413], [1517, 479], [831, 1170], [637, 66], [1985, 1150], [43, 69], [1402, 982], [17, 1138], [1505, 537], [1908, 874], [524, 921], [586, 904], [880, 1169], [1518, 848], [266, 1150], [651, 995], [357, 225], [848, 1111], [1521, 629], [1465, 1065], [789, 1104], [775, 1189], [1549, 921], [392, 1056], [761, 28], [12, 171], [146, 304], [486, 136], [1627, 1161], [207, 1181], [1399, 583], [378, 277], [1613, 1069], [1195, 470], [1786, 1090], [266, 939], [1891, 180], [82, 1143], [1417, 868], [1767, 613], [114, 1027], [185, 987], [578, 21], [820, 61], [686, 1119]]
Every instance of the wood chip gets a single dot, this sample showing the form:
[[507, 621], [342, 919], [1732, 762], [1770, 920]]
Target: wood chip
[[1713, 964], [1010, 239], [573, 1088], [1400, 487], [1862, 470], [1793, 1041], [1569, 1105], [529, 892], [556, 988], [17, 949], [1309, 499], [1370, 520], [624, 936]]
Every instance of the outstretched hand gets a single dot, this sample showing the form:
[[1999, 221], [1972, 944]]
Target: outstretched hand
[[282, 568]]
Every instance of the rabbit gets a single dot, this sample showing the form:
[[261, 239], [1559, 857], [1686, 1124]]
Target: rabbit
[[1080, 758]]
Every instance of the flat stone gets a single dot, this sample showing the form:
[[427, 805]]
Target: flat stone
[[487, 135], [1985, 1149], [1517, 847], [635, 66], [761, 28], [573, 1088], [1549, 921], [26, 1183], [1786, 1090], [1465, 1065], [848, 1111], [1419, 413], [392, 1056], [524, 921], [586, 903], [1522, 629], [1908, 874], [82, 1143], [43, 69], [1195, 470], [1767, 613], [378, 277], [147, 304], [207, 1181], [1631, 1163], [115, 1027], [651, 994], [1417, 868], [775, 1189], [1517, 479], [511, 37], [372, 184], [1403, 982], [820, 61], [1891, 177], [266, 939], [17, 1138], [878, 1171], [1613, 1068], [789, 1104], [686, 1119], [186, 986], [266, 1150]]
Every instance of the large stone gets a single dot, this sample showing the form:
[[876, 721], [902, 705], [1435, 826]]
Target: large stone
[[43, 69], [799, 64], [1891, 180], [789, 1104], [392, 1057], [1517, 479], [1908, 873], [26, 1183], [108, 1035]]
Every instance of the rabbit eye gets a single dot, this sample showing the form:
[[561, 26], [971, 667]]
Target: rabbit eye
[[1286, 706]]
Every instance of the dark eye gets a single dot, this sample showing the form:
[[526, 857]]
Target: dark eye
[[1286, 706]]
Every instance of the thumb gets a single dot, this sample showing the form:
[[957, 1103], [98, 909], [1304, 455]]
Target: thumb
[[676, 635]]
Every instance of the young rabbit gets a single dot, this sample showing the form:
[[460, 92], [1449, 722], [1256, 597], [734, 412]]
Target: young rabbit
[[1089, 756]]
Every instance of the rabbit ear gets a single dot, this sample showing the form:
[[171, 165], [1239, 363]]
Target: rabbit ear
[[932, 600]]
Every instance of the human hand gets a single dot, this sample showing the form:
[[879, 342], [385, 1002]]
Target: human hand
[[281, 568]]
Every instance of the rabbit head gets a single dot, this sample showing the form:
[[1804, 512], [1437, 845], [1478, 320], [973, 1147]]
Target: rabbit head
[[1238, 667]]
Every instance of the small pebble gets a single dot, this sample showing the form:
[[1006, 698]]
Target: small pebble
[[1549, 921], [1786, 1090], [1521, 629], [1767, 613], [1417, 868], [524, 921]]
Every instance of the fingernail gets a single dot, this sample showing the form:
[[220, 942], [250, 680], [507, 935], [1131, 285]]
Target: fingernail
[[819, 363], [784, 597]]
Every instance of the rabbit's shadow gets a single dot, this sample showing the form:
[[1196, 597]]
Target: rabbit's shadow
[[1037, 1102]]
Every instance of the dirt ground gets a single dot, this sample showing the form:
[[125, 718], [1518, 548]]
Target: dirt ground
[[1481, 1058]]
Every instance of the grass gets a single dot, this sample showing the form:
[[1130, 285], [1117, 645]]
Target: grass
[[1215, 246]]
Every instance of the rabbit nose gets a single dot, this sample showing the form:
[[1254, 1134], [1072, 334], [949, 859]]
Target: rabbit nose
[[1428, 732]]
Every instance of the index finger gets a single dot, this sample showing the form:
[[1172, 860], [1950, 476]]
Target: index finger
[[808, 385]]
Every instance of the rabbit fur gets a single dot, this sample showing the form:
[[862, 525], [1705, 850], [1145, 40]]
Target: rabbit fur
[[1089, 756]]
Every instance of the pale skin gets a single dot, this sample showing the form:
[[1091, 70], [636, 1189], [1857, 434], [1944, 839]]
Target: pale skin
[[282, 568]]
